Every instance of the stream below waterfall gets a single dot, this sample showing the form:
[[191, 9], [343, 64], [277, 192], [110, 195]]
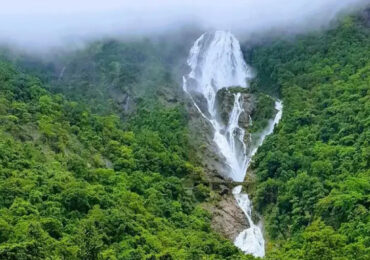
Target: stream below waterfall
[[216, 62]]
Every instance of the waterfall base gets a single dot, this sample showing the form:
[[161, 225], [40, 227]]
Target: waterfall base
[[250, 240]]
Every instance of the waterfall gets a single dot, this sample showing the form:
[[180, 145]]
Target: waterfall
[[251, 239], [216, 62]]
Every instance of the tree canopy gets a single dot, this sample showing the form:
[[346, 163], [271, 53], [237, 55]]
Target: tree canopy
[[313, 172]]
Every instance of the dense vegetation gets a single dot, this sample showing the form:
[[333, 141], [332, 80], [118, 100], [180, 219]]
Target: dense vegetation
[[106, 71], [313, 173], [85, 174], [78, 185], [263, 112]]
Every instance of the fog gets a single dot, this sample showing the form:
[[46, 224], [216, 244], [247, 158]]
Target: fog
[[42, 24]]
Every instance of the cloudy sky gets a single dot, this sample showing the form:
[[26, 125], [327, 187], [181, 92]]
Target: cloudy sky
[[45, 23]]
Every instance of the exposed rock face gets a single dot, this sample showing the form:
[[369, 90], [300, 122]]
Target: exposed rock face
[[249, 104], [225, 101], [125, 102], [227, 217], [202, 132], [202, 139], [123, 99]]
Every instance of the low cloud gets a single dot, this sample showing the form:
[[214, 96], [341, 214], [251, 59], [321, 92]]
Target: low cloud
[[41, 24]]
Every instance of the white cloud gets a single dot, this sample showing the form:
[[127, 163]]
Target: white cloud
[[43, 23]]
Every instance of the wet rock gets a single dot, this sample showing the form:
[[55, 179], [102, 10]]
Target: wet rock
[[207, 152], [225, 99], [249, 105], [227, 218], [224, 102], [201, 102], [202, 132], [123, 99], [125, 102], [224, 190]]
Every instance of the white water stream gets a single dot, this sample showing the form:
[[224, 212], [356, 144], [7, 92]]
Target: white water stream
[[216, 62], [251, 239]]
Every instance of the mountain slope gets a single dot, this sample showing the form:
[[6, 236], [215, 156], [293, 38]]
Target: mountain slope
[[76, 185], [96, 158], [313, 173]]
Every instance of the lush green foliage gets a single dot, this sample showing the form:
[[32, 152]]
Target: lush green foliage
[[78, 182], [263, 112], [313, 173], [105, 72], [75, 185]]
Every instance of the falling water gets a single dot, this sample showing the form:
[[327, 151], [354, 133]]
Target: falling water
[[216, 62], [251, 239]]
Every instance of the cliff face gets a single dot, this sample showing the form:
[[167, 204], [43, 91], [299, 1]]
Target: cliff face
[[202, 132], [225, 100], [206, 150], [227, 217]]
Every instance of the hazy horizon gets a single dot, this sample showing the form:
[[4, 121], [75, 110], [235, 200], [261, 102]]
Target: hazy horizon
[[43, 24]]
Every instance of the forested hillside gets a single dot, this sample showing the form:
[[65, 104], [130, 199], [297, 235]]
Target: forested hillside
[[313, 173], [96, 158], [77, 185]]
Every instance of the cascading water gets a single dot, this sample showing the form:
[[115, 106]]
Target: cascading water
[[251, 239], [216, 62]]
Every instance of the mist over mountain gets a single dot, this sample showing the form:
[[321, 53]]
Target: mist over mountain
[[44, 24], [168, 130]]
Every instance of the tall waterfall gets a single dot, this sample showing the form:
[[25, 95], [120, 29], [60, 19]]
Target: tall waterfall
[[216, 62]]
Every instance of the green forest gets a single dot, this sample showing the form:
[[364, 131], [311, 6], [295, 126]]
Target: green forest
[[95, 153], [314, 171], [81, 185]]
